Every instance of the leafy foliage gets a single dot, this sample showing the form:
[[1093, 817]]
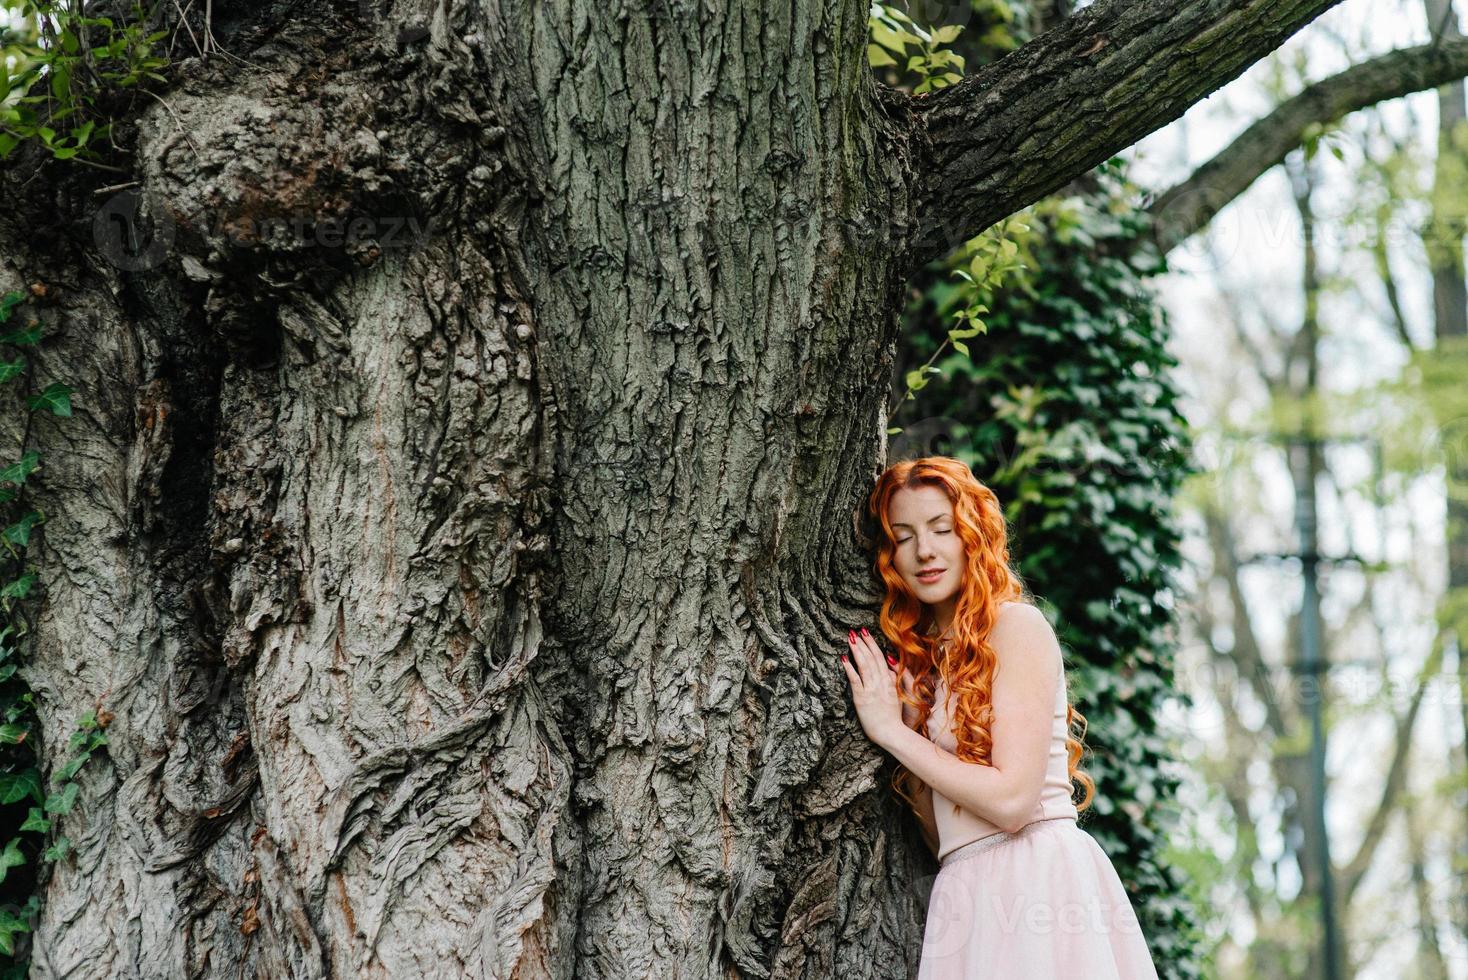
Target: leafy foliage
[[27, 809], [64, 75]]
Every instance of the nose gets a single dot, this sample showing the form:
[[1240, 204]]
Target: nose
[[925, 548]]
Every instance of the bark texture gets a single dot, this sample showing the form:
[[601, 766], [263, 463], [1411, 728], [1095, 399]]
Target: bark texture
[[462, 506]]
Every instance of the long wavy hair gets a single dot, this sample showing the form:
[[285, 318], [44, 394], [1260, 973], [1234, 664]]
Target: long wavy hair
[[967, 662]]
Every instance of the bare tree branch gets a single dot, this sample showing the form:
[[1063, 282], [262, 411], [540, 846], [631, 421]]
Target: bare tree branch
[[1112, 73], [1187, 207], [1396, 777]]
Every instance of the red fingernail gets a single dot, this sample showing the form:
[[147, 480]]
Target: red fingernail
[[843, 658], [864, 631], [892, 660], [851, 636]]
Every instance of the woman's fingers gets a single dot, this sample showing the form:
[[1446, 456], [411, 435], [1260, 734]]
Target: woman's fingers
[[875, 658], [858, 657], [853, 664]]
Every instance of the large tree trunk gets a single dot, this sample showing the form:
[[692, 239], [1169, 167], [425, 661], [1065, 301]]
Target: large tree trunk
[[466, 602]]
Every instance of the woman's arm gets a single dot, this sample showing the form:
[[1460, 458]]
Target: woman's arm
[[926, 820], [1005, 792]]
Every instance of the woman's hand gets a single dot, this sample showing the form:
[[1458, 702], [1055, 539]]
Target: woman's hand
[[873, 688]]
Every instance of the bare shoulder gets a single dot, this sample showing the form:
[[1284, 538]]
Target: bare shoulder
[[1021, 616], [1021, 628]]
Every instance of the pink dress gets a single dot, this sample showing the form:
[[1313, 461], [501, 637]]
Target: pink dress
[[1040, 903]]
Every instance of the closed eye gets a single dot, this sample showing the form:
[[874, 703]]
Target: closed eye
[[905, 540]]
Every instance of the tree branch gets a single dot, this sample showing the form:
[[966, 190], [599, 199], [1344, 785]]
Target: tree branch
[[1184, 209], [1026, 124], [1355, 870]]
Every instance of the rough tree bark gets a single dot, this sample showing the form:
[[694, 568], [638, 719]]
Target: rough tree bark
[[467, 606]]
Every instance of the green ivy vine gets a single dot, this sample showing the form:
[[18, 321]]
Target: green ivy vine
[[28, 811]]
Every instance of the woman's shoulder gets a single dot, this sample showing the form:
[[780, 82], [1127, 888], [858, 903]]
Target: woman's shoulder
[[1022, 625], [1016, 611]]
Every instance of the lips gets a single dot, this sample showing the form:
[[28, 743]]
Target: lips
[[932, 577]]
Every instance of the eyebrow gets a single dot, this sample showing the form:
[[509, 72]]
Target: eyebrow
[[935, 517]]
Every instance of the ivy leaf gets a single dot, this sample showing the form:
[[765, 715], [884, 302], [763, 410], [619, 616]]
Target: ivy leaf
[[18, 589], [11, 857], [9, 369], [62, 802], [69, 770], [58, 850], [19, 533], [28, 334], [9, 302], [13, 734], [37, 821], [56, 397], [18, 785]]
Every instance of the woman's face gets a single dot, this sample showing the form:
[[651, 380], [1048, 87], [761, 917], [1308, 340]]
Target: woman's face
[[927, 538]]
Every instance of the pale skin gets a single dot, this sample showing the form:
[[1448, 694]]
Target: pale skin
[[1029, 665]]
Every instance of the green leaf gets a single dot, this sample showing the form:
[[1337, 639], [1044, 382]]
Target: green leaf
[[18, 589], [878, 57], [947, 34], [58, 850], [56, 397], [891, 40], [11, 857], [13, 734], [69, 770], [18, 785], [62, 802], [37, 821], [9, 302], [9, 369], [19, 533], [961, 347], [28, 334]]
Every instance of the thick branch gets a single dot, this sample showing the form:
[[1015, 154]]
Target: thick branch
[[1074, 96], [1193, 203]]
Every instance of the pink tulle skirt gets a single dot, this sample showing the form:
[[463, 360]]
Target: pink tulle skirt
[[1043, 902]]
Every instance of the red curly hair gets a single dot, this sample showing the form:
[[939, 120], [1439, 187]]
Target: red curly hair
[[967, 662]]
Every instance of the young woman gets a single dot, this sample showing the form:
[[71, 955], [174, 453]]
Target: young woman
[[974, 707]]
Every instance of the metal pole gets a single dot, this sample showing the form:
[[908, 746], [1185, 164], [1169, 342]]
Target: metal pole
[[1314, 670]]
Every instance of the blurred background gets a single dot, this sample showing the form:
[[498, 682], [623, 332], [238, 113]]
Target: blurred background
[[1227, 407]]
